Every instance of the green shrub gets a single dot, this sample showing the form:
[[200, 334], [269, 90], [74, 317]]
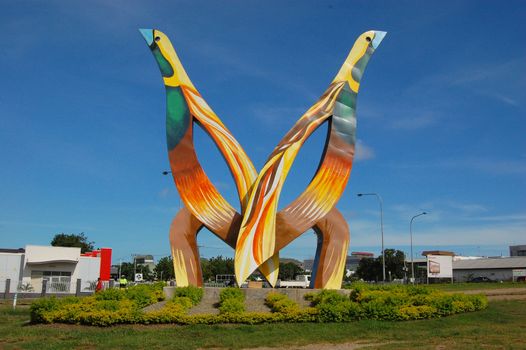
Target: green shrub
[[195, 294], [326, 297], [111, 294], [365, 302], [231, 293], [172, 312], [185, 302], [231, 300], [40, 309], [335, 312], [232, 305], [280, 303], [142, 294]]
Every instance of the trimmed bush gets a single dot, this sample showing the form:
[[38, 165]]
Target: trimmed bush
[[278, 302], [400, 302], [41, 308], [184, 302], [231, 293], [365, 302], [195, 294], [111, 294], [142, 294], [231, 300], [232, 306]]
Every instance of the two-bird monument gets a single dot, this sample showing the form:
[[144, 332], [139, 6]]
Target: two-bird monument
[[260, 231]]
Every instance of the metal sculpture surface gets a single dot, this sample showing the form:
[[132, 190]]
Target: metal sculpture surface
[[260, 231]]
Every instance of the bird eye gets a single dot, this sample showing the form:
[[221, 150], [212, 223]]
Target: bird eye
[[368, 39], [157, 38]]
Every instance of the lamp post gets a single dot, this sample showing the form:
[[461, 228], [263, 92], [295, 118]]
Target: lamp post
[[381, 227], [411, 236]]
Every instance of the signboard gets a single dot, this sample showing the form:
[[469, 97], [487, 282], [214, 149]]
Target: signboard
[[138, 277], [440, 266], [519, 272]]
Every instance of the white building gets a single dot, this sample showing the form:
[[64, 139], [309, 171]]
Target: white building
[[61, 267], [496, 269]]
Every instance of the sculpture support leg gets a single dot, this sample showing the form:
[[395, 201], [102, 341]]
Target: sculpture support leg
[[185, 253], [331, 253]]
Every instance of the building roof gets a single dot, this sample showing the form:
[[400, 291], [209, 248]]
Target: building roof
[[12, 250], [144, 256], [48, 254], [437, 252], [516, 262], [362, 253]]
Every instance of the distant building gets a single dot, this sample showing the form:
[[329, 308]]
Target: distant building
[[353, 260], [144, 260], [351, 263], [496, 269], [61, 267], [517, 250]]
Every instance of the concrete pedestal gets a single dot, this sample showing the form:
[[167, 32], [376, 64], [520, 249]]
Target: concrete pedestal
[[255, 297]]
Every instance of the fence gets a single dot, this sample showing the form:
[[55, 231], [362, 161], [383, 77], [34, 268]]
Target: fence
[[9, 288]]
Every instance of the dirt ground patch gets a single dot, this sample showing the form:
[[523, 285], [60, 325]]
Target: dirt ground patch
[[500, 294], [331, 346]]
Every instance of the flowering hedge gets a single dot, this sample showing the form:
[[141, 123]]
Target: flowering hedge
[[379, 303]]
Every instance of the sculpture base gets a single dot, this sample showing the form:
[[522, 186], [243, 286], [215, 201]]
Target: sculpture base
[[255, 297]]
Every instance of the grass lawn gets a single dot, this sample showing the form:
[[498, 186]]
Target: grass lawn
[[502, 326], [475, 286]]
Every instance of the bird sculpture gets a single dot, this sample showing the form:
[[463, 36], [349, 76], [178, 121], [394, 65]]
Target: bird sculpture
[[204, 205], [259, 232], [258, 239]]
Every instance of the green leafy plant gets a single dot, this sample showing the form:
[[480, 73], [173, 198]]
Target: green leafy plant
[[393, 303], [195, 294], [278, 302], [231, 300]]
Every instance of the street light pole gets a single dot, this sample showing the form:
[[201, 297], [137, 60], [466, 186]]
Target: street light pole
[[411, 237], [381, 227]]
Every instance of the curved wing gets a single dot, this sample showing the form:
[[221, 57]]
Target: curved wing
[[259, 238], [185, 105]]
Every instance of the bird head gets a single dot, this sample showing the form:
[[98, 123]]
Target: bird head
[[171, 68], [374, 38], [362, 50]]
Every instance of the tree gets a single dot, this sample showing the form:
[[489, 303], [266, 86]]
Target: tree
[[73, 240], [164, 270], [217, 266], [147, 275], [128, 270], [289, 271], [394, 263], [371, 269]]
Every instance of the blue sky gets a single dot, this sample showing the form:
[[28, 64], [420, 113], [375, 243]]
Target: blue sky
[[441, 116]]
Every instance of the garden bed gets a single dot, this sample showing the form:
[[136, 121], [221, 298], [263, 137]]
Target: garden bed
[[392, 303]]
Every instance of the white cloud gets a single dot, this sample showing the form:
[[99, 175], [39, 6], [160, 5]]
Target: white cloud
[[367, 234], [494, 166], [468, 208], [363, 152], [419, 121]]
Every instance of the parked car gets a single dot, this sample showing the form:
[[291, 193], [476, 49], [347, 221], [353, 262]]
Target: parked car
[[480, 279]]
